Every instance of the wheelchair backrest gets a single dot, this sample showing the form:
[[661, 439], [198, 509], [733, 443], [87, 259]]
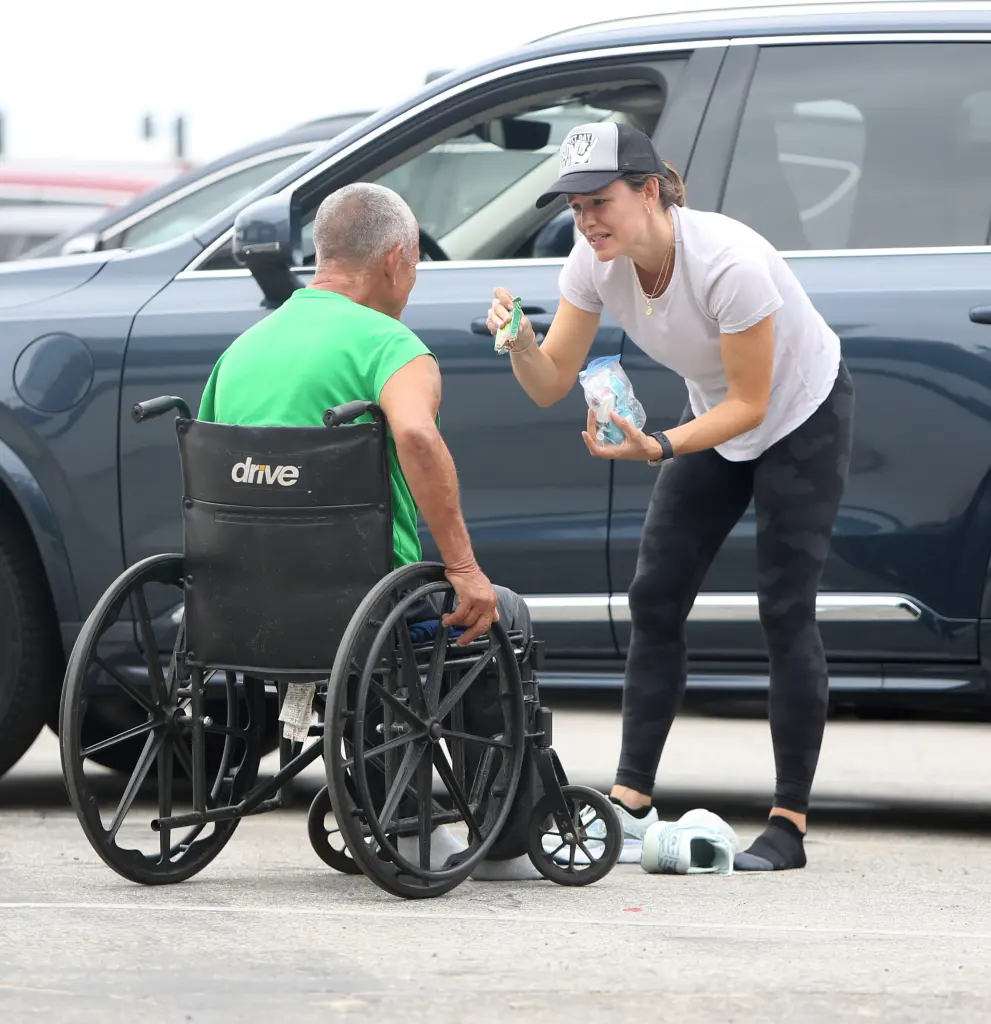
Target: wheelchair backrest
[[285, 530]]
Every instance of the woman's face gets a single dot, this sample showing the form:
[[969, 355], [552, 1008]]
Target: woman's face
[[613, 220]]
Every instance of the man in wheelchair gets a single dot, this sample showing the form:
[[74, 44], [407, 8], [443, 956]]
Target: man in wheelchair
[[341, 340], [423, 674]]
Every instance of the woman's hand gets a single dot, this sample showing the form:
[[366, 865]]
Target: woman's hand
[[636, 447], [501, 312]]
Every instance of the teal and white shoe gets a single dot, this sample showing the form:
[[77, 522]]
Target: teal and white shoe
[[699, 842], [633, 832]]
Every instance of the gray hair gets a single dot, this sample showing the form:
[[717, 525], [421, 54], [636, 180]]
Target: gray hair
[[358, 224]]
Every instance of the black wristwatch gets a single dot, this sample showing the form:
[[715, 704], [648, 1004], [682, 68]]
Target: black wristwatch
[[667, 451]]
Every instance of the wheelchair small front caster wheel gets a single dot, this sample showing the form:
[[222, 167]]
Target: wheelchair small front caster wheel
[[328, 842], [584, 850]]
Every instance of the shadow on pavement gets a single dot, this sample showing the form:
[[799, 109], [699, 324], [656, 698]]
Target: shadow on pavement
[[47, 792]]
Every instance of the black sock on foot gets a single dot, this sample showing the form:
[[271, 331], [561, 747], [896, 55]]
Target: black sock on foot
[[779, 847], [636, 812]]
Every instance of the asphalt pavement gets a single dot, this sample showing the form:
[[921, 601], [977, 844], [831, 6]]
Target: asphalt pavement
[[890, 921]]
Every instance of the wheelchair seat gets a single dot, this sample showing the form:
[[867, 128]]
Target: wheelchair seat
[[285, 589]]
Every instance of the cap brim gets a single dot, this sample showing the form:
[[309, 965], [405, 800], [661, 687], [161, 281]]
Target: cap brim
[[579, 184]]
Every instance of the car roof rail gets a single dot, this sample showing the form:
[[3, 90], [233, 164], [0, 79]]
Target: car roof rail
[[743, 10]]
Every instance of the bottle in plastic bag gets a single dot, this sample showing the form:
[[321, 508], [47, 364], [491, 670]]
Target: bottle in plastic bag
[[608, 389]]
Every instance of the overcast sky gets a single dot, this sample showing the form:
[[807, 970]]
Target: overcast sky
[[76, 78]]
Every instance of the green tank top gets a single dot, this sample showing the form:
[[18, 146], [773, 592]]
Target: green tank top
[[317, 350]]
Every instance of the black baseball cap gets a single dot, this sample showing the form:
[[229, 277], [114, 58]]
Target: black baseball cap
[[595, 155]]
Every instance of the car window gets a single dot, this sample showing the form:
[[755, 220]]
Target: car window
[[467, 192], [191, 210], [866, 145], [473, 186], [454, 180], [473, 192]]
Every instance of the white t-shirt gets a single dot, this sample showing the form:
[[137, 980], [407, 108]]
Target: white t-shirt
[[726, 278]]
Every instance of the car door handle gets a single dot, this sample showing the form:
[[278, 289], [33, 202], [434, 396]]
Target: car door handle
[[537, 315], [542, 323], [981, 314]]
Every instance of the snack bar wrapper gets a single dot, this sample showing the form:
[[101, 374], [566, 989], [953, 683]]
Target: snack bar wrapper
[[608, 389], [506, 336]]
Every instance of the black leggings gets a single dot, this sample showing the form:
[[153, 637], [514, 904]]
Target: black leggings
[[796, 486]]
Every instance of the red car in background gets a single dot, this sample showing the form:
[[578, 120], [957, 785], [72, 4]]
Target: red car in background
[[42, 199]]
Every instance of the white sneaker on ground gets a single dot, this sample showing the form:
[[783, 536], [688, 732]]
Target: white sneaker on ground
[[444, 843], [634, 829], [699, 842], [516, 869]]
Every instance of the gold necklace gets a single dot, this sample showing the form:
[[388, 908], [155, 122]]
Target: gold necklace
[[647, 298]]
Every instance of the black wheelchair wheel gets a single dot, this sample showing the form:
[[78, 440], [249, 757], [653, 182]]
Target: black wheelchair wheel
[[588, 842], [419, 736], [118, 823], [328, 843]]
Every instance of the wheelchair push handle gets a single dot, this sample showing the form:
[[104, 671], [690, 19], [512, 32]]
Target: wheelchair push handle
[[158, 407], [348, 412]]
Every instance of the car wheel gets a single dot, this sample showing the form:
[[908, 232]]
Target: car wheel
[[30, 648]]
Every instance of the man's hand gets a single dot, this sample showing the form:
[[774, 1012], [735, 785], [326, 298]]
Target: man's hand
[[477, 603], [636, 447]]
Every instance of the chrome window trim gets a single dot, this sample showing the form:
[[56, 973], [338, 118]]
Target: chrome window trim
[[935, 250], [558, 261], [578, 608], [298, 148], [801, 39], [429, 266], [623, 51]]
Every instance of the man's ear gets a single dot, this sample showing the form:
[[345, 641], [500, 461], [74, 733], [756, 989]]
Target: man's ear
[[391, 262]]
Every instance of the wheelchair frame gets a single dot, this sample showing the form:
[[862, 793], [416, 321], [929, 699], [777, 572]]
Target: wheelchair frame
[[415, 710]]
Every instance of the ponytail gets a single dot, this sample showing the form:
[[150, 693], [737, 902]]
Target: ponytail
[[669, 185]]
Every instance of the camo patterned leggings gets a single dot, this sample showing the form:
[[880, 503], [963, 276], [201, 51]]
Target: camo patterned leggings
[[796, 487]]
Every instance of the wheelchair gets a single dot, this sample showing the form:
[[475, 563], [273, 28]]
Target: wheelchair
[[285, 596]]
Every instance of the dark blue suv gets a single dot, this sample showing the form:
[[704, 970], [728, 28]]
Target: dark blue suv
[[858, 142]]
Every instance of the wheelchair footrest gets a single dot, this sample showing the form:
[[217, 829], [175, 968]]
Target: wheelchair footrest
[[214, 814], [411, 826]]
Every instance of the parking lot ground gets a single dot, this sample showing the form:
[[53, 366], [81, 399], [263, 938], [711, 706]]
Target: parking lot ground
[[890, 921]]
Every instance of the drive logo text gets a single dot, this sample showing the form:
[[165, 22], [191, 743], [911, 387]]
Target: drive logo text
[[249, 472]]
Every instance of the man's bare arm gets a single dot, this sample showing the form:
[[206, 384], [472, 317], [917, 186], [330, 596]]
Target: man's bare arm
[[410, 400]]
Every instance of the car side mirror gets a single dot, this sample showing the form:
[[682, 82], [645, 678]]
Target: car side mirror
[[268, 241], [80, 244]]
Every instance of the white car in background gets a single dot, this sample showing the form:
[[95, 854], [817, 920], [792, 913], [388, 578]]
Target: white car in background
[[187, 200]]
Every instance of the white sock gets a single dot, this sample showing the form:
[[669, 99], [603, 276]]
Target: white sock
[[517, 869], [443, 843]]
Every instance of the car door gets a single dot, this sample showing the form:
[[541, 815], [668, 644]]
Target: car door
[[471, 168], [867, 163]]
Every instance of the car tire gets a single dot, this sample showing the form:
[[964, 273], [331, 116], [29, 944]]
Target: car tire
[[30, 648]]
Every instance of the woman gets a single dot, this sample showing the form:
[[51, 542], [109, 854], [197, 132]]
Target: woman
[[769, 418]]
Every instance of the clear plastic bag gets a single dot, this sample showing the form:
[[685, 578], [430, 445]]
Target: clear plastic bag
[[608, 389]]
